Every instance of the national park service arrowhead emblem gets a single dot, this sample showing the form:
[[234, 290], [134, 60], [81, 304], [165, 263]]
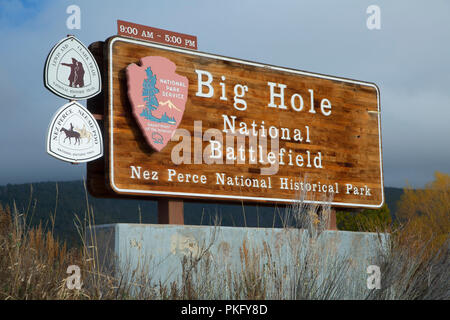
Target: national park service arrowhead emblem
[[74, 135], [71, 71], [158, 98]]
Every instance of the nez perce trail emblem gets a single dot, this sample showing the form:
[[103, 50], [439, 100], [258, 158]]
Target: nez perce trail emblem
[[74, 135], [158, 98]]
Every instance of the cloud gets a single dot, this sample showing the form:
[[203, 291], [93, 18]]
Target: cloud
[[409, 59]]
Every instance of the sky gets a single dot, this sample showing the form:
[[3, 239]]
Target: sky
[[408, 58]]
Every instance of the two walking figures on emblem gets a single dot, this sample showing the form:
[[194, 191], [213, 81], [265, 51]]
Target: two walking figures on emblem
[[76, 77]]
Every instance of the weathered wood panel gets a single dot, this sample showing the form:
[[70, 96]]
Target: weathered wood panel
[[345, 135]]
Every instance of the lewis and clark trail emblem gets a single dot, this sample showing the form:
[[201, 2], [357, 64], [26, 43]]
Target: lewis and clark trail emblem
[[74, 135], [71, 72], [158, 98]]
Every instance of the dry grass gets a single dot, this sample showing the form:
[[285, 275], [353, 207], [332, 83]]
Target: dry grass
[[33, 265], [32, 262]]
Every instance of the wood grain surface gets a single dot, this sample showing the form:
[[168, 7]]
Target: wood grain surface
[[346, 135]]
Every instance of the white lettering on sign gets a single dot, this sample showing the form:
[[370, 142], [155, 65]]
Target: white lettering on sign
[[277, 97], [139, 31], [220, 178]]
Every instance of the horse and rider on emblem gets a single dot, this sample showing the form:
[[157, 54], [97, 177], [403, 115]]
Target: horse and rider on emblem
[[77, 134]]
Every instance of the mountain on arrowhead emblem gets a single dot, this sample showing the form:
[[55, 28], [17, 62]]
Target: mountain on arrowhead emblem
[[158, 98]]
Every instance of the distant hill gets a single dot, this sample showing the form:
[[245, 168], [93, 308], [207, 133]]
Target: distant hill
[[392, 197], [39, 201]]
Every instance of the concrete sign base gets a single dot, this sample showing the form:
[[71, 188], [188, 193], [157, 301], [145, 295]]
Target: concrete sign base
[[160, 251]]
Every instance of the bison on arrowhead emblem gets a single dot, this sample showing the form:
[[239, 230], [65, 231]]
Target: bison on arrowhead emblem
[[158, 98]]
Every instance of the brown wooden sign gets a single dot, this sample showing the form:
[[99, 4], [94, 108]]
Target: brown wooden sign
[[246, 131], [139, 31]]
